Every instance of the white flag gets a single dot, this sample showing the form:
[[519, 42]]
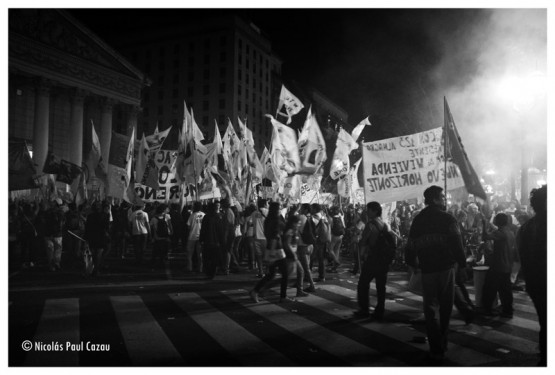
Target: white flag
[[285, 153], [142, 159], [156, 140], [340, 163], [312, 147], [291, 103], [358, 129]]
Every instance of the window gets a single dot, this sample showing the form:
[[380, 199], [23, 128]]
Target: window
[[161, 66], [222, 88], [240, 58], [160, 79], [254, 83], [191, 60], [239, 74], [239, 89], [175, 93], [240, 43], [160, 95], [254, 67], [247, 93], [207, 59], [223, 40], [160, 110], [222, 72], [247, 78], [206, 89], [222, 57], [191, 76], [205, 105], [246, 108], [253, 97], [247, 62], [221, 119], [206, 74], [248, 49], [222, 103], [176, 78], [176, 63], [190, 91], [238, 105]]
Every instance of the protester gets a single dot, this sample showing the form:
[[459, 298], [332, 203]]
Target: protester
[[97, 234], [273, 231], [498, 277], [323, 237], [337, 231], [194, 226], [27, 233], [532, 248], [54, 222], [306, 244], [140, 230], [212, 240], [435, 247], [258, 218], [375, 264], [161, 229]]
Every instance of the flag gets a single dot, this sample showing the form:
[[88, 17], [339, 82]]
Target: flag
[[348, 184], [94, 162], [68, 172], [142, 159], [457, 154], [21, 168], [196, 132], [291, 103], [285, 152], [117, 163], [51, 164], [359, 128], [156, 140], [80, 191], [340, 163], [311, 144], [156, 131]]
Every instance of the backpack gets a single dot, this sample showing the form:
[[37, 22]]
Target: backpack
[[162, 230], [307, 235], [337, 227], [322, 232], [385, 246]]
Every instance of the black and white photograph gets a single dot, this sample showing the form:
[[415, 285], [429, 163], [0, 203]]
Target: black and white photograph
[[277, 185]]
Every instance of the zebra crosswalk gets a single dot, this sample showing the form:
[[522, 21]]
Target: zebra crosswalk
[[225, 328]]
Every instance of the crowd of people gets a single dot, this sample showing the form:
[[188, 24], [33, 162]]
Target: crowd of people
[[297, 240]]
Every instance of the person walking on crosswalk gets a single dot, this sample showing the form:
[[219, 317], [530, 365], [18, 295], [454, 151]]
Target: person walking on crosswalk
[[435, 247], [212, 240]]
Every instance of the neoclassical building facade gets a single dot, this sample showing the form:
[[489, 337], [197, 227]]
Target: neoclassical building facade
[[63, 79]]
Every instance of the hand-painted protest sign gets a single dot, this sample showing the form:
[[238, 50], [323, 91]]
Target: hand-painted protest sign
[[402, 168]]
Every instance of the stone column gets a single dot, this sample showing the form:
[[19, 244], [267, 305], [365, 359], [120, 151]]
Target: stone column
[[105, 135], [132, 120], [76, 127], [41, 123]]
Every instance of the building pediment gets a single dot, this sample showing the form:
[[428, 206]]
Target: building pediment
[[52, 44]]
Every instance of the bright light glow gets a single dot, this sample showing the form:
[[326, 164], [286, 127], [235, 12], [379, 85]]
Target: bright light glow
[[523, 92], [490, 172], [541, 183]]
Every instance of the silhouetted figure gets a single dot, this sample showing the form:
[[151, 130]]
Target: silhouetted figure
[[532, 247]]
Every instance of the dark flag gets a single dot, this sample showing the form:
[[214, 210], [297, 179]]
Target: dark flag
[[21, 168], [52, 164], [457, 154], [68, 172]]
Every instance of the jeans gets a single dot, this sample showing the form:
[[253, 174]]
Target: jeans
[[259, 246], [282, 265], [438, 289], [372, 270], [53, 252], [139, 245], [498, 282], [193, 246], [304, 253], [335, 248], [539, 297]]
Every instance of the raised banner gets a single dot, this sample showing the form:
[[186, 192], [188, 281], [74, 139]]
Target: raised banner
[[401, 168]]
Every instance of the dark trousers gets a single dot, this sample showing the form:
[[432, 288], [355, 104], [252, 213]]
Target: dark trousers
[[463, 303], [539, 297], [320, 255], [282, 265], [438, 289], [498, 282], [372, 270], [211, 259], [139, 245], [159, 251]]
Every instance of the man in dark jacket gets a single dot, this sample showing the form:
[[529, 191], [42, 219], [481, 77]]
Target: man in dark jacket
[[532, 248], [212, 240], [435, 247]]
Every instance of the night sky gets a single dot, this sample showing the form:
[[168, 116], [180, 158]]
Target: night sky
[[396, 65]]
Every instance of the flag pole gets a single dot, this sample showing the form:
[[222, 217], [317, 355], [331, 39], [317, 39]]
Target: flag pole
[[445, 146]]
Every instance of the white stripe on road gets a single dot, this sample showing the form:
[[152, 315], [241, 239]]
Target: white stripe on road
[[243, 345], [59, 323], [145, 340], [323, 338], [456, 353]]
